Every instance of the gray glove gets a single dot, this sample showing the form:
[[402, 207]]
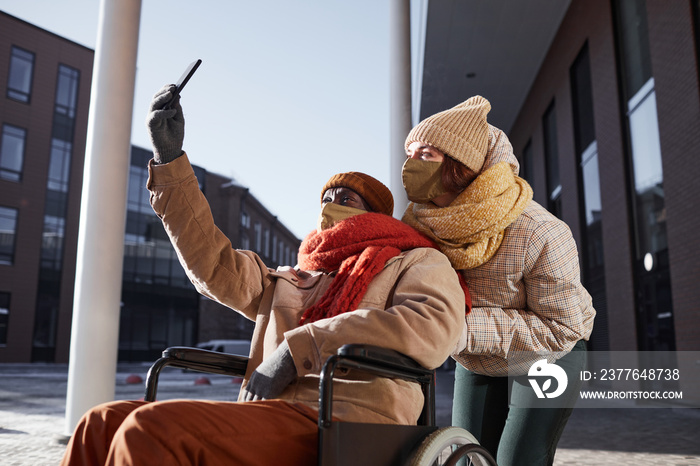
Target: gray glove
[[166, 125], [272, 376]]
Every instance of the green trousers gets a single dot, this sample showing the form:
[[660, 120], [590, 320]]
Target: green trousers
[[520, 429]]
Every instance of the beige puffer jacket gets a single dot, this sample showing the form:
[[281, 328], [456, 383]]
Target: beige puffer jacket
[[415, 305]]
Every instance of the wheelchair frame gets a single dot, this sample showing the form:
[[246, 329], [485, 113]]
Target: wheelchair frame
[[339, 442]]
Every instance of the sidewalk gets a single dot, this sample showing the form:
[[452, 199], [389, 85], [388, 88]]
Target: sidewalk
[[32, 409]]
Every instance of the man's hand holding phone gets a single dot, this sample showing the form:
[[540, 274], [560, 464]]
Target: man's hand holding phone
[[165, 120], [180, 85]]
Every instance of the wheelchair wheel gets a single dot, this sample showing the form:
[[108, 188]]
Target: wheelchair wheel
[[451, 446]]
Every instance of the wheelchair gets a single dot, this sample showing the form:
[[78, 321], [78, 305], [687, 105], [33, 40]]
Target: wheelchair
[[348, 443]]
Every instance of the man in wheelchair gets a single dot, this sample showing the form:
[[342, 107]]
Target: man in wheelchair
[[363, 277]]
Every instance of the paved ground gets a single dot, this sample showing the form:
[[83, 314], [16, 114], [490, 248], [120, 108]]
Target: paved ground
[[32, 408]]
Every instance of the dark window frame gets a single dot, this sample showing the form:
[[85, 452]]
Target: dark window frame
[[9, 257], [8, 173], [551, 158], [16, 94], [5, 299]]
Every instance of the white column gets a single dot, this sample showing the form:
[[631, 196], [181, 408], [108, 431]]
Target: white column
[[95, 329], [400, 96]]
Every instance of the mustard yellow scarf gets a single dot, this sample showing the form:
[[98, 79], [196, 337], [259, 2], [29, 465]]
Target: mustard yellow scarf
[[470, 230]]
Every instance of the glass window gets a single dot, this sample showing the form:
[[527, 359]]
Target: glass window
[[19, 81], [59, 165], [274, 248], [257, 229], [551, 156], [527, 163], [591, 184], [12, 152], [266, 242], [593, 264], [8, 231], [52, 242], [582, 96], [164, 255], [66, 102], [695, 6], [4, 316], [67, 91], [633, 34], [648, 171], [138, 194], [654, 303]]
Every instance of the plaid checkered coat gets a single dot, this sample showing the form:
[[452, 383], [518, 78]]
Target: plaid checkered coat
[[528, 296]]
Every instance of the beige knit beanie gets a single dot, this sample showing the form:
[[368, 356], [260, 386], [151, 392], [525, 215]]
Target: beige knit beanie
[[460, 132]]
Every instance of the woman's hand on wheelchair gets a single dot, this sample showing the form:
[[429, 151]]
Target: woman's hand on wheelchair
[[272, 376]]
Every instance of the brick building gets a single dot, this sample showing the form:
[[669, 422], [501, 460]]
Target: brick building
[[603, 112], [45, 82]]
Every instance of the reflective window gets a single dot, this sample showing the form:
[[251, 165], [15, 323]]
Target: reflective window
[[19, 82], [59, 165], [591, 184], [138, 195], [257, 229], [593, 259], [245, 241], [695, 7], [67, 91], [274, 248], [654, 303], [551, 156], [526, 166], [4, 316], [66, 103], [12, 147], [53, 236], [266, 242], [149, 257], [648, 170], [52, 242], [8, 231], [633, 34]]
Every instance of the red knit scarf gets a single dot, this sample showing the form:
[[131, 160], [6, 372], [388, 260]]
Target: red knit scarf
[[358, 248]]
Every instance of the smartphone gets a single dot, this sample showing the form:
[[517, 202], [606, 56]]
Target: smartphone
[[180, 85]]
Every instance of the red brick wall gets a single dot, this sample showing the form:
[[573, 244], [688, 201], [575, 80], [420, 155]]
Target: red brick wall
[[28, 196], [587, 20], [675, 69]]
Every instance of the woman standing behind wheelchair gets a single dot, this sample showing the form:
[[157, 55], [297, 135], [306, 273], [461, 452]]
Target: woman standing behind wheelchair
[[363, 277], [521, 266]]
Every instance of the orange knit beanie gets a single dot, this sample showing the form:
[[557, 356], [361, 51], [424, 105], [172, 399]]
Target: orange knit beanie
[[372, 190]]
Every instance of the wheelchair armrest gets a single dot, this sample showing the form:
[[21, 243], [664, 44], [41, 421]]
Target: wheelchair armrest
[[380, 361], [196, 359], [384, 357]]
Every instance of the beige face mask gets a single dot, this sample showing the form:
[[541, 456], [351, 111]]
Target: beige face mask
[[334, 213], [422, 180]]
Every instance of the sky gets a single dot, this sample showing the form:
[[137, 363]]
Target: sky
[[288, 93]]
